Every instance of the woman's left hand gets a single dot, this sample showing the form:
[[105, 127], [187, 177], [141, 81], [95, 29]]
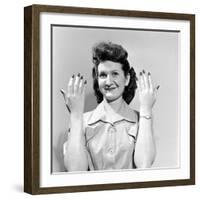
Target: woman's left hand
[[147, 94]]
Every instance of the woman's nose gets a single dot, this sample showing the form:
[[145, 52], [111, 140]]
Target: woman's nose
[[109, 80]]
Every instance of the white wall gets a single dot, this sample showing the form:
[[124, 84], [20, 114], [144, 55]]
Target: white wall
[[11, 101]]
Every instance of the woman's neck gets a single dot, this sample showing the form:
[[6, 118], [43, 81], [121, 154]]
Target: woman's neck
[[116, 105]]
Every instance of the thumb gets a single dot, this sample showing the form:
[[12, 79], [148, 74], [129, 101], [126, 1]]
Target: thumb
[[65, 99], [64, 94], [156, 89]]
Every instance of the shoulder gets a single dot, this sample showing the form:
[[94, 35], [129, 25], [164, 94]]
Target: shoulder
[[131, 113], [136, 114], [87, 115]]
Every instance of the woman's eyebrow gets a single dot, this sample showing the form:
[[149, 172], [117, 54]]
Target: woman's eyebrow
[[102, 71], [107, 71], [115, 70]]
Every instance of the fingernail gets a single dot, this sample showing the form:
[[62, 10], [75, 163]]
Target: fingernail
[[85, 82], [73, 76], [81, 77], [140, 73], [78, 74], [149, 73], [158, 87], [143, 71], [61, 90], [136, 78]]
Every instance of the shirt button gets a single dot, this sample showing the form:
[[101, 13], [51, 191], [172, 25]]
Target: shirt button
[[111, 150]]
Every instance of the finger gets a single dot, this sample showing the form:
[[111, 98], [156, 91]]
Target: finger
[[84, 87], [65, 98], [63, 94], [156, 90], [138, 84], [150, 82], [81, 84], [141, 81], [70, 86], [76, 84], [146, 83]]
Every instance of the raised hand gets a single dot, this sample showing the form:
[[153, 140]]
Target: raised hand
[[147, 94], [75, 96]]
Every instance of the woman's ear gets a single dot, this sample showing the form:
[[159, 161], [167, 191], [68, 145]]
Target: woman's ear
[[127, 79]]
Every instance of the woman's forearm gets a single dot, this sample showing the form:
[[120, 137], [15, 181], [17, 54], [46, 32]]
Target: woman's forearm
[[75, 158], [145, 150]]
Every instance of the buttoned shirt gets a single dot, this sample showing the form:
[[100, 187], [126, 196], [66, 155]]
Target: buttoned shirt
[[110, 137]]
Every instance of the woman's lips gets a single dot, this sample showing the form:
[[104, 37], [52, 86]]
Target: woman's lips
[[110, 89]]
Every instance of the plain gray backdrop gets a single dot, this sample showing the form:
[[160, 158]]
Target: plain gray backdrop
[[153, 51]]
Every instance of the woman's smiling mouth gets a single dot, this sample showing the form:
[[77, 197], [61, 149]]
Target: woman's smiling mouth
[[110, 88]]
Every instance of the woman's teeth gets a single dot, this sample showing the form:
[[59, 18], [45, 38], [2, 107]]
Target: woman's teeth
[[109, 89]]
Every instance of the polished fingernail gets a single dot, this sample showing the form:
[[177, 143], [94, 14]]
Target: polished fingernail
[[81, 77], [85, 82], [78, 74], [149, 73], [73, 76], [158, 87], [140, 73], [61, 90], [143, 71]]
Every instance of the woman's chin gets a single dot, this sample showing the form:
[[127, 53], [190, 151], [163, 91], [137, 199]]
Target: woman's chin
[[110, 98]]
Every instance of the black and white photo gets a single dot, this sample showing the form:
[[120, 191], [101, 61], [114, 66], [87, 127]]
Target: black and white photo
[[70, 46], [109, 99]]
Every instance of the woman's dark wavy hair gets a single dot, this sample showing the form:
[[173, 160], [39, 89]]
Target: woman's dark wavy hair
[[107, 51]]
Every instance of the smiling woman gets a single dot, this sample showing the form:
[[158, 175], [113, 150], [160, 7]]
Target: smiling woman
[[112, 136], [112, 80]]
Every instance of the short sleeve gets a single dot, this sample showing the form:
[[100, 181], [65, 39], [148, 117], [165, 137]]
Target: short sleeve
[[133, 130]]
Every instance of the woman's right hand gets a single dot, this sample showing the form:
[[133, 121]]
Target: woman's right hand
[[75, 96]]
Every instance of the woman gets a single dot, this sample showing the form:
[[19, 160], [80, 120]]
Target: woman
[[112, 136]]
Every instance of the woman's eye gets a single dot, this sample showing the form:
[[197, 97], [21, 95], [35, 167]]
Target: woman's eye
[[115, 73], [102, 75]]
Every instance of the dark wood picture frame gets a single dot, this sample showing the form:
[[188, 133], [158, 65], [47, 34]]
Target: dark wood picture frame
[[32, 102]]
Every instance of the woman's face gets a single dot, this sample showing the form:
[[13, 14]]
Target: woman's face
[[111, 80]]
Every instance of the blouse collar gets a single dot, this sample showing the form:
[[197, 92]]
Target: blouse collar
[[104, 112]]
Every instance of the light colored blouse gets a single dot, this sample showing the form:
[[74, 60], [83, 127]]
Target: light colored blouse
[[110, 137]]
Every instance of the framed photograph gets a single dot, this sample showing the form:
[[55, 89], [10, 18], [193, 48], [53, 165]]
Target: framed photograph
[[78, 63]]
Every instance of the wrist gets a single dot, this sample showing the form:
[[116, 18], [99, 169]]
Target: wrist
[[76, 116], [76, 126], [144, 110]]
